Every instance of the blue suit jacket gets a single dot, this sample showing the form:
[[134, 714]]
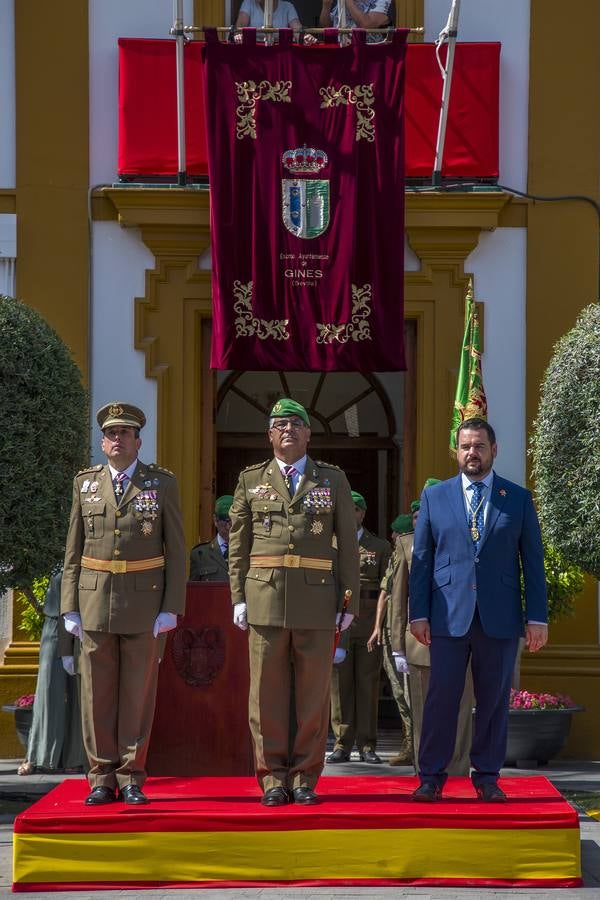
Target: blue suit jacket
[[448, 579]]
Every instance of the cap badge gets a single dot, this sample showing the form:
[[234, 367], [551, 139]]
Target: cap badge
[[115, 410]]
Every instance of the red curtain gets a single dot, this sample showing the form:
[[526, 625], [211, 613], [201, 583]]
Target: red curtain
[[306, 167], [148, 116]]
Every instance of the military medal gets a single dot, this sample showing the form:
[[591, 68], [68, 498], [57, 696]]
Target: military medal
[[475, 533], [146, 528], [316, 527], [267, 523], [94, 487], [85, 486]]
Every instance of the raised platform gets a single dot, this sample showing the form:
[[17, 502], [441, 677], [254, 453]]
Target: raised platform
[[208, 832]]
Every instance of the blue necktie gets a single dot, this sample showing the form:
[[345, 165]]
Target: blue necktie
[[476, 521]]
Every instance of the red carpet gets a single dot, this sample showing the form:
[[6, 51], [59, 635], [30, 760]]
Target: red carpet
[[214, 832]]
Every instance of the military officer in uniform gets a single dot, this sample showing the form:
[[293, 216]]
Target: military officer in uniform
[[285, 515], [389, 614], [123, 584], [355, 680], [209, 560]]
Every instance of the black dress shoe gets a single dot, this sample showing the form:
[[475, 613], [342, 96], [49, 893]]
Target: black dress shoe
[[338, 756], [427, 793], [305, 796], [490, 793], [131, 793], [369, 756], [100, 795], [276, 796]]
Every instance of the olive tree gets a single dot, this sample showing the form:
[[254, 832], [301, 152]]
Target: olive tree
[[565, 445], [43, 442]]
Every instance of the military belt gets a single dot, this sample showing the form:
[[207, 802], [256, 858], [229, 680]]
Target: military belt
[[121, 566], [290, 561]]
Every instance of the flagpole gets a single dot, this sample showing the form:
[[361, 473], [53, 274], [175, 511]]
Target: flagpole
[[178, 31], [450, 31]]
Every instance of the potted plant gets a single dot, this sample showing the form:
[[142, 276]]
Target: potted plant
[[538, 726], [22, 709]]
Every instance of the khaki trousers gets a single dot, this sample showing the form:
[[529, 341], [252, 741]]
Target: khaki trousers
[[418, 682], [281, 759], [397, 684], [118, 691], [355, 691]]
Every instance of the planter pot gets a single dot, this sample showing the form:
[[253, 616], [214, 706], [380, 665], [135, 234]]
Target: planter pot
[[23, 718], [536, 736]]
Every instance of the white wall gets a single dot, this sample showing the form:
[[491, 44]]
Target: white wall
[[7, 95], [499, 267], [109, 20], [506, 21], [120, 259]]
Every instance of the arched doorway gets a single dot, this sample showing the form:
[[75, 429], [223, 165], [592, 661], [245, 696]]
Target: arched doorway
[[361, 422]]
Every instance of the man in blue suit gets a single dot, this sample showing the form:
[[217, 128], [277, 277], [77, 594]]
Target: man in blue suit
[[474, 534]]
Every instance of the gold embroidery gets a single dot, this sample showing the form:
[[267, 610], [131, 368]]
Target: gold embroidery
[[358, 329], [246, 325], [248, 93], [360, 96]]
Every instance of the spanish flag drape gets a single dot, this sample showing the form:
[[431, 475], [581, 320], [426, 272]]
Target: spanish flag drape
[[306, 170], [470, 399]]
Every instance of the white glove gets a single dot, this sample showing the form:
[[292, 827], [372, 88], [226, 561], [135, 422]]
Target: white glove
[[240, 616], [68, 663], [73, 624], [339, 656], [344, 623], [165, 621], [400, 663]]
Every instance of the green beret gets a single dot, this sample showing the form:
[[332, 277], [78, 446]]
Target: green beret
[[402, 524], [287, 407], [431, 481], [119, 413], [415, 506], [359, 500], [223, 505]]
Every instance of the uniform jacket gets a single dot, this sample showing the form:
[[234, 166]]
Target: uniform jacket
[[402, 640], [265, 521], [374, 556], [207, 562], [449, 579], [103, 529]]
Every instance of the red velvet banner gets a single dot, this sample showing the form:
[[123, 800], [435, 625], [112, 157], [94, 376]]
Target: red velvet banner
[[306, 167]]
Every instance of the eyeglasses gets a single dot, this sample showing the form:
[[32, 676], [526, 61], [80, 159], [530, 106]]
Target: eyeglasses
[[282, 424]]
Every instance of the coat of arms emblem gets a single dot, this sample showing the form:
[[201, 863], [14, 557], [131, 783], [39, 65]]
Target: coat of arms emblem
[[305, 201]]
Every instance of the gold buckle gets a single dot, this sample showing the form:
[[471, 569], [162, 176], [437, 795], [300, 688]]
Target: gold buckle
[[291, 561], [118, 566]]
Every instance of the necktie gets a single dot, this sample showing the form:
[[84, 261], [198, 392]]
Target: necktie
[[288, 475], [476, 519], [119, 483], [226, 552]]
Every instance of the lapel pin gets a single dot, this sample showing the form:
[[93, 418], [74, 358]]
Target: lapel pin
[[502, 492]]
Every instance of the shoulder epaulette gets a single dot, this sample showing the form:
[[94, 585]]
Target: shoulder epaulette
[[156, 468], [256, 466], [327, 465], [89, 469]]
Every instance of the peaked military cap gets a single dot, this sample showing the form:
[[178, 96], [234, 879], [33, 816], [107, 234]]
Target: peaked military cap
[[402, 524], [119, 413], [359, 500], [415, 506], [288, 407], [223, 505], [430, 482]]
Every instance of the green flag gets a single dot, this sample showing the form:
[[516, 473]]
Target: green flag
[[470, 400]]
